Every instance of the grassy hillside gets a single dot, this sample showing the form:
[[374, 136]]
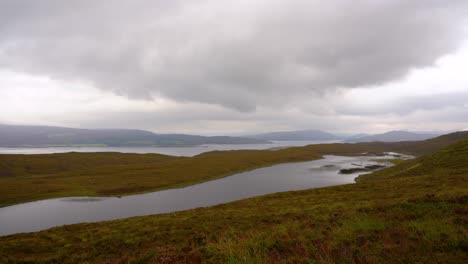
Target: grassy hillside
[[26, 165], [414, 212], [32, 177], [444, 162], [416, 148]]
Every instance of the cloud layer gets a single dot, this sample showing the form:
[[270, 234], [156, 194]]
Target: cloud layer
[[236, 54], [219, 66]]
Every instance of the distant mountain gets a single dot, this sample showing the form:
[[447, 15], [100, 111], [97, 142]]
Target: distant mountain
[[394, 136], [43, 136], [354, 136], [297, 135]]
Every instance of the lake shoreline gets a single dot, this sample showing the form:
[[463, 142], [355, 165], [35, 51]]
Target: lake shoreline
[[262, 181], [180, 185], [162, 188]]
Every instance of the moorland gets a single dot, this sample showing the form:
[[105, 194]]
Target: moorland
[[32, 177], [415, 211]]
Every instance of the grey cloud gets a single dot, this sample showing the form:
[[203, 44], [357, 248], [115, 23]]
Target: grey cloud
[[238, 54]]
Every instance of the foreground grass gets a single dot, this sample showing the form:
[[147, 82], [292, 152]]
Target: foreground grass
[[414, 212], [32, 177]]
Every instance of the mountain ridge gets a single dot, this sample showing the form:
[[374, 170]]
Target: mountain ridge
[[393, 136], [43, 136]]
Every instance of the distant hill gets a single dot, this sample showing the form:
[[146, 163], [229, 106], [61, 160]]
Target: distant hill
[[44, 136], [393, 136], [353, 136], [297, 135]]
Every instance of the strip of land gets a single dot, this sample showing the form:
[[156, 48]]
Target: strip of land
[[26, 178], [413, 212]]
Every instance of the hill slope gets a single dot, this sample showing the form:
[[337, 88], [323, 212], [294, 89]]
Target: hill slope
[[453, 159], [40, 136], [405, 214]]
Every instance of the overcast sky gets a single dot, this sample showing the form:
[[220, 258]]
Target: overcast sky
[[244, 66]]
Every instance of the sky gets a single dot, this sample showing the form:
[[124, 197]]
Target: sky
[[235, 67]]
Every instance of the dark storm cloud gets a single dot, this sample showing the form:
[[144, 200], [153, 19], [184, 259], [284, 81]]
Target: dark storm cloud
[[238, 54]]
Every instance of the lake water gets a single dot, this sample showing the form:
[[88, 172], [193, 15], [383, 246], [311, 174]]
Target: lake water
[[173, 151], [39, 215]]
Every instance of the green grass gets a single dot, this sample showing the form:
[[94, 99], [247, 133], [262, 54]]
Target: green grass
[[32, 177], [414, 212]]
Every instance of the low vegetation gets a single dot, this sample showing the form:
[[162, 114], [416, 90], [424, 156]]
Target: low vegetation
[[31, 177], [414, 212]]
